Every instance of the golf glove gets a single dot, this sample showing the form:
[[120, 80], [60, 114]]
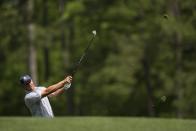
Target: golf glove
[[67, 86]]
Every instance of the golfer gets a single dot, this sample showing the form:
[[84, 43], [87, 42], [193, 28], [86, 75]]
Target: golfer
[[36, 98]]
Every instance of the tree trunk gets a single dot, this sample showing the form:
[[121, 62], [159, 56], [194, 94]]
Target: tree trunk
[[146, 69], [31, 37], [65, 51], [46, 50], [177, 44], [178, 72]]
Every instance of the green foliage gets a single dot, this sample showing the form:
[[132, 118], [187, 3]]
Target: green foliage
[[112, 79]]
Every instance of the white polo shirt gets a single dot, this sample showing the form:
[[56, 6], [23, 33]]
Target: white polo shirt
[[38, 106]]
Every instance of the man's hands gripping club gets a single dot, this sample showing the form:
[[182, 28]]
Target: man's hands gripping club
[[58, 87], [68, 80]]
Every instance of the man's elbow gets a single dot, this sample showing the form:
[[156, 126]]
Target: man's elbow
[[52, 95]]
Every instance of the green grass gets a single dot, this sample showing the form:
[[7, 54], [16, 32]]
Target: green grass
[[95, 124]]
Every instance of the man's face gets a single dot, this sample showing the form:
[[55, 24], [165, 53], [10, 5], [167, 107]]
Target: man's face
[[30, 86]]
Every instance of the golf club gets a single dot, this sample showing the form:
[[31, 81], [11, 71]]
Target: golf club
[[67, 86], [84, 54]]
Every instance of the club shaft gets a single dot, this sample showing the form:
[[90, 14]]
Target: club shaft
[[83, 55]]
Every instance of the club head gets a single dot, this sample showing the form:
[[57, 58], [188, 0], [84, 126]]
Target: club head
[[94, 32]]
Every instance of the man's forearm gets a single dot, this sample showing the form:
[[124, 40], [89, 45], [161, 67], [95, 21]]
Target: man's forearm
[[53, 88], [57, 92]]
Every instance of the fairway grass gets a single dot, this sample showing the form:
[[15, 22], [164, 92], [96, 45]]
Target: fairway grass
[[95, 124]]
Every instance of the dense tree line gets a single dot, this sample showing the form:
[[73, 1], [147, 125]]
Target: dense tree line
[[142, 62]]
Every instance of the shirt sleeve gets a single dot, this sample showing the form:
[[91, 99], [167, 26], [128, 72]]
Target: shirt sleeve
[[33, 96]]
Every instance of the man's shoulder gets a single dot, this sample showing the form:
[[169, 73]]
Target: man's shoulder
[[35, 93], [37, 88]]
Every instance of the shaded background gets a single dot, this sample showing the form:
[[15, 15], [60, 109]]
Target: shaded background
[[142, 62]]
